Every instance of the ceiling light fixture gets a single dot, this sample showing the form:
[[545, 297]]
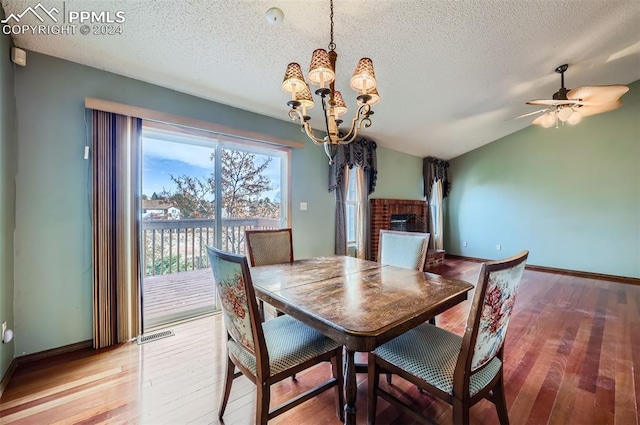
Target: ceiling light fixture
[[570, 106], [322, 73], [568, 114], [274, 16]]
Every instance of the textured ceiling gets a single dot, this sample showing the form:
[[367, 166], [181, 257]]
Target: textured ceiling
[[451, 74]]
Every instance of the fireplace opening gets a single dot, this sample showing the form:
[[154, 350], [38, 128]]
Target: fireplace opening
[[405, 223]]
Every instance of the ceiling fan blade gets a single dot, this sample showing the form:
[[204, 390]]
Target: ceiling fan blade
[[553, 102], [531, 113], [595, 95], [586, 111]]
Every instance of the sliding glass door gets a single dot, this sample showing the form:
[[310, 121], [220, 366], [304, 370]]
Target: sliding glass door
[[198, 190]]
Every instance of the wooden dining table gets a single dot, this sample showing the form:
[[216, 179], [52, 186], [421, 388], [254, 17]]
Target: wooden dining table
[[360, 304]]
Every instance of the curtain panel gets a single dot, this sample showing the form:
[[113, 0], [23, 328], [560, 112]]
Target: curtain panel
[[362, 212], [437, 217], [436, 188], [359, 153], [116, 269]]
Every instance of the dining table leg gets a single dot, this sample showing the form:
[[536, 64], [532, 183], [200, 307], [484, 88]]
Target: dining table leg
[[350, 388]]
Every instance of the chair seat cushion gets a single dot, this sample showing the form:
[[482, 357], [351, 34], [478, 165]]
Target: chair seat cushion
[[289, 343], [431, 353]]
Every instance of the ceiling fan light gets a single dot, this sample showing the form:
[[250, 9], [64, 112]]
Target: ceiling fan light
[[575, 118], [293, 79], [364, 77], [565, 113], [320, 71], [548, 120]]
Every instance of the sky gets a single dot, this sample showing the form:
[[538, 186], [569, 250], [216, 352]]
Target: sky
[[161, 159]]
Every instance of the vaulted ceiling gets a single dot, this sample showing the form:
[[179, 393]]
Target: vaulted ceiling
[[451, 74]]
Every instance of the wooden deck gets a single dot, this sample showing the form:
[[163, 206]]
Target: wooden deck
[[175, 296]]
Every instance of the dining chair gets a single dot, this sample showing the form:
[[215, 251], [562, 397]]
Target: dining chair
[[267, 352], [273, 246], [403, 249], [268, 246], [458, 370]]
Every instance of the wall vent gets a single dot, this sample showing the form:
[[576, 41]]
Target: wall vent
[[153, 337]]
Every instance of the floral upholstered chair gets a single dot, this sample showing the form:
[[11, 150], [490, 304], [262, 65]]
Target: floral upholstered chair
[[403, 249], [269, 246], [267, 352], [460, 371]]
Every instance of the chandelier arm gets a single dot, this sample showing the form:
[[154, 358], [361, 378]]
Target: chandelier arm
[[367, 123], [309, 131], [296, 115], [362, 116]]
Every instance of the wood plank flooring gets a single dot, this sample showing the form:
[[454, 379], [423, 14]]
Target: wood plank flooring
[[572, 356]]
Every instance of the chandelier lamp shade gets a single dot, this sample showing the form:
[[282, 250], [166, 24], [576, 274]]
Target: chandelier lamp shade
[[322, 73]]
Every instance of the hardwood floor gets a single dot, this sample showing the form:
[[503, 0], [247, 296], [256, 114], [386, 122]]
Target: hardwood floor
[[572, 356]]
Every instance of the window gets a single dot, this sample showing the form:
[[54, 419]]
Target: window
[[351, 207]]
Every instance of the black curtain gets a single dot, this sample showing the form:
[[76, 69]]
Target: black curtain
[[435, 169], [359, 153]]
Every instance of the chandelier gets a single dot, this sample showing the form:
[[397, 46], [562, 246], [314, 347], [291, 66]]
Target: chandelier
[[322, 74]]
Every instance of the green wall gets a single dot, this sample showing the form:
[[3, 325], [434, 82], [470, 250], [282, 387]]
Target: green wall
[[8, 159], [571, 195], [53, 266], [399, 175]]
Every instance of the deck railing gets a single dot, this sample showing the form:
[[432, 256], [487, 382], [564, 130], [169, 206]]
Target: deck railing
[[173, 246]]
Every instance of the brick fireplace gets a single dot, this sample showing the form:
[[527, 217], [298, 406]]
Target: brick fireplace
[[412, 215]]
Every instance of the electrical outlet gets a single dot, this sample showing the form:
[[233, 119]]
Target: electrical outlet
[[303, 206], [464, 244], [498, 247]]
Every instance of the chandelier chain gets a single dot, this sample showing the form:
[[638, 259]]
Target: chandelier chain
[[332, 45]]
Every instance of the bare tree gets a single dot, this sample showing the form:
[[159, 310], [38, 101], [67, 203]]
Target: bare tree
[[244, 184]]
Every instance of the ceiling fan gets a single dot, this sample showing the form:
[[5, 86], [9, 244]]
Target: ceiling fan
[[572, 105]]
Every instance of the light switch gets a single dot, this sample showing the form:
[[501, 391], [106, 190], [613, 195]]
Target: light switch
[[303, 206]]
